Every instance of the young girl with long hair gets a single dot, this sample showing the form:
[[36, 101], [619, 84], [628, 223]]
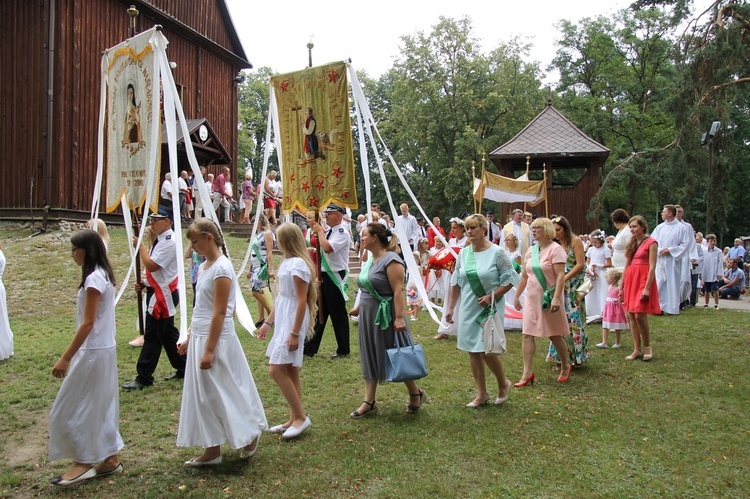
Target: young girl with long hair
[[85, 417], [220, 402], [296, 304]]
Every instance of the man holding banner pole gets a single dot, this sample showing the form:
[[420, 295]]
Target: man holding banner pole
[[334, 260]]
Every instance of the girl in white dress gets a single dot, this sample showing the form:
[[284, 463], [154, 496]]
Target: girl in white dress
[[6, 335], [513, 319], [296, 304], [220, 402], [84, 420], [599, 259], [458, 241]]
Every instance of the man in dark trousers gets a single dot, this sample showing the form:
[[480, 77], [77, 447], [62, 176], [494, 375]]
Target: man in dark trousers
[[334, 267], [162, 297]]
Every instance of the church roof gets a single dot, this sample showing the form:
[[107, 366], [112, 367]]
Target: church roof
[[550, 134]]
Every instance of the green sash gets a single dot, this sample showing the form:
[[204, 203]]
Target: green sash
[[537, 268], [383, 317], [263, 274], [343, 286], [470, 267]]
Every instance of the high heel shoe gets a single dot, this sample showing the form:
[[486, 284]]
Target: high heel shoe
[[635, 355], [648, 354], [501, 400], [355, 414], [529, 381], [564, 378], [411, 409], [478, 403]]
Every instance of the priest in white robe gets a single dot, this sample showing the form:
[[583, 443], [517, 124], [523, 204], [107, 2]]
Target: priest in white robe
[[672, 248]]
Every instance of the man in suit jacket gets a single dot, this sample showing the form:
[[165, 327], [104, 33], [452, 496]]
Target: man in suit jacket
[[521, 229]]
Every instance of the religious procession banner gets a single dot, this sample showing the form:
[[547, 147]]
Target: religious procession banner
[[129, 121], [509, 190], [316, 139]]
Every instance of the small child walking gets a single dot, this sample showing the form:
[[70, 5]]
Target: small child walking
[[613, 316]]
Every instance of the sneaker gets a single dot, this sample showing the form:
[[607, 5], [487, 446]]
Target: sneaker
[[716, 307], [413, 319], [602, 345], [616, 345]]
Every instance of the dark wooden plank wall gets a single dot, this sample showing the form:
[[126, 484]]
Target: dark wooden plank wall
[[23, 62], [203, 16], [83, 29]]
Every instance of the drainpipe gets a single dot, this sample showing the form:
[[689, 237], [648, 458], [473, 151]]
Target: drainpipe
[[50, 103]]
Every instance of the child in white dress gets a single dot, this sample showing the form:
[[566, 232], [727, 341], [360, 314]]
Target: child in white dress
[[6, 335], [599, 259], [296, 304], [220, 402], [85, 417]]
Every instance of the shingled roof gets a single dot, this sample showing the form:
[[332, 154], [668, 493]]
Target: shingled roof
[[550, 134]]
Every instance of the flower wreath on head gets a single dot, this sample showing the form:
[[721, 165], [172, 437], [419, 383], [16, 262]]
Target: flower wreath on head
[[457, 220], [598, 235]]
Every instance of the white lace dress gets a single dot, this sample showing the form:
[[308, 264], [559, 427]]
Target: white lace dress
[[285, 309]]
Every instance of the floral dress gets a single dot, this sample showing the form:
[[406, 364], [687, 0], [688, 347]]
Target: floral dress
[[575, 308]]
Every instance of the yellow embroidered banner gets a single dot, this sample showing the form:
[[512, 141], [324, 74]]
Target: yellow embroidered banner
[[130, 91], [316, 138]]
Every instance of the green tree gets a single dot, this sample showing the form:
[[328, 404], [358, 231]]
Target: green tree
[[445, 103], [253, 120]]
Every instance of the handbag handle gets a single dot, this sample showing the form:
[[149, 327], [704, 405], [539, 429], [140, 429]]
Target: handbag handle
[[398, 345]]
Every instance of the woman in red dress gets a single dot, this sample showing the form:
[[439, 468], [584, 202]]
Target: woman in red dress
[[639, 292]]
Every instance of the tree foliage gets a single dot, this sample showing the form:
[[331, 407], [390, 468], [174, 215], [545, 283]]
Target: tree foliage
[[253, 119]]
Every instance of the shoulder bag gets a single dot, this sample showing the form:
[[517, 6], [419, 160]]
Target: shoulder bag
[[405, 363]]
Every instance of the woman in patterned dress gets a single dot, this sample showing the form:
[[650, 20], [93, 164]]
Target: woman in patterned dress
[[575, 307]]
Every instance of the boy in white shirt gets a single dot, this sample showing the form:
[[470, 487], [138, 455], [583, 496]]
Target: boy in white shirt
[[713, 270]]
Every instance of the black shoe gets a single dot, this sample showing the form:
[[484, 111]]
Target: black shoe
[[134, 385], [339, 355], [175, 375]]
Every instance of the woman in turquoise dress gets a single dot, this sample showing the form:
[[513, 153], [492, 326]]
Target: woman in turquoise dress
[[575, 308], [494, 271]]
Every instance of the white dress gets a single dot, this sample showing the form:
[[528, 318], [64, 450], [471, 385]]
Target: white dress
[[285, 310], [597, 297], [444, 327], [6, 335], [436, 286], [513, 318], [220, 404], [618, 248], [85, 417]]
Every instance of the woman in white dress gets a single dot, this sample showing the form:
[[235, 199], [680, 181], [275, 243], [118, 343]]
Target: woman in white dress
[[6, 335], [599, 260], [220, 402], [513, 318], [85, 417], [296, 303], [458, 241], [620, 219]]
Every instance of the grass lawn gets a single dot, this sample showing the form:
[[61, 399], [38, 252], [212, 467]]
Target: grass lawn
[[677, 426]]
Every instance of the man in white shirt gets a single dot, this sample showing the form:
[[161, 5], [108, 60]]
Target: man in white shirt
[[183, 188], [165, 195], [334, 253], [410, 226], [493, 228], [521, 230], [672, 249], [422, 229], [162, 297]]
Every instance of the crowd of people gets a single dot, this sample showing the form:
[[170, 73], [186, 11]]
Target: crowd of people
[[537, 264]]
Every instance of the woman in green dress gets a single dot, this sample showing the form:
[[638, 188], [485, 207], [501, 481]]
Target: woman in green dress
[[481, 267]]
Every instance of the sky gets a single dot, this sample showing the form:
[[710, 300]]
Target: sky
[[275, 34]]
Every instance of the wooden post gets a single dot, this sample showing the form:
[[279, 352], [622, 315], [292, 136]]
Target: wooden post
[[139, 294]]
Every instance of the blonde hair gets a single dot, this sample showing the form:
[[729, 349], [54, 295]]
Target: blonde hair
[[100, 227], [548, 229], [205, 226], [291, 242], [614, 275]]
